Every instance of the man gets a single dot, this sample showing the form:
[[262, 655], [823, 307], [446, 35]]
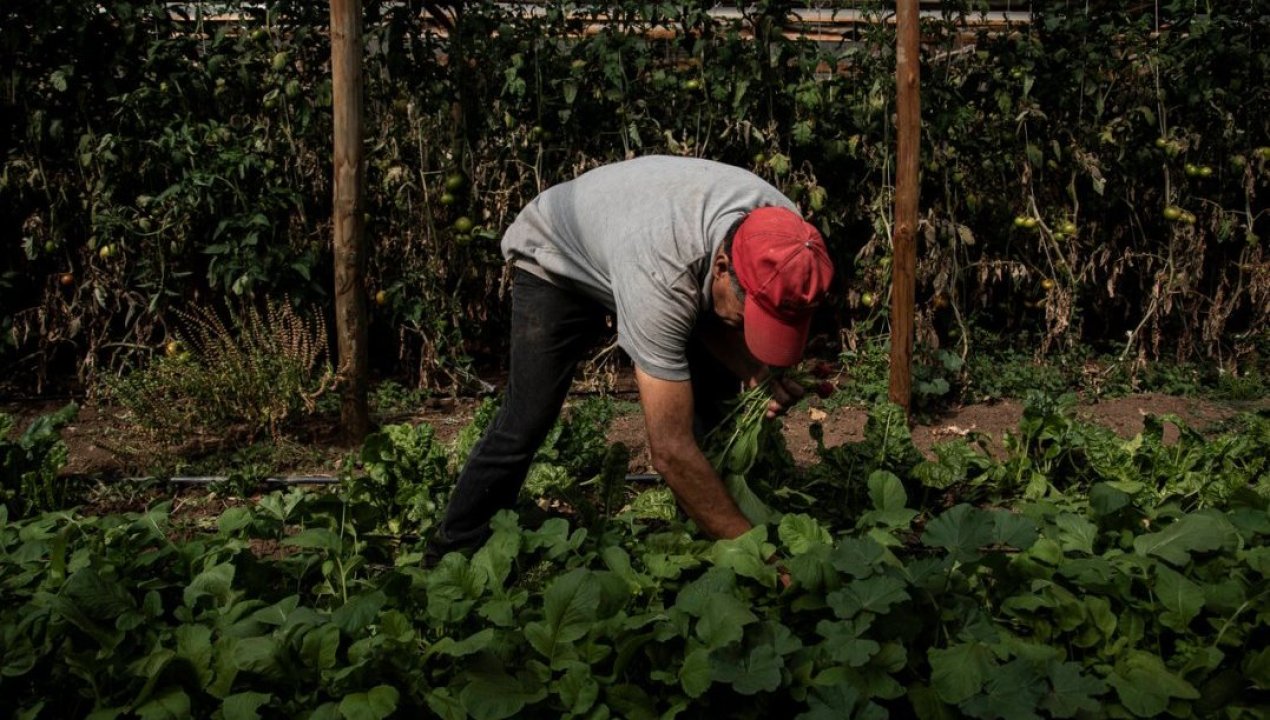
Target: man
[[712, 276]]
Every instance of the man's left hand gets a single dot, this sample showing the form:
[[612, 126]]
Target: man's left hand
[[786, 393]]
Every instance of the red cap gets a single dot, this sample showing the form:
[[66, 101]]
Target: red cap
[[784, 267]]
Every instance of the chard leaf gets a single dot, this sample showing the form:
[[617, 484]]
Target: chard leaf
[[753, 508]]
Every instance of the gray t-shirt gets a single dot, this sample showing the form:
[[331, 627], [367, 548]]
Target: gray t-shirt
[[639, 236]]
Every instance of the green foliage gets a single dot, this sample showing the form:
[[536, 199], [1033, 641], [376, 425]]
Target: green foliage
[[256, 373], [402, 471], [156, 159], [1120, 598], [30, 463]]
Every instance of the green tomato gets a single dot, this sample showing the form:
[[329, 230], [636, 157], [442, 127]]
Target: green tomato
[[280, 61]]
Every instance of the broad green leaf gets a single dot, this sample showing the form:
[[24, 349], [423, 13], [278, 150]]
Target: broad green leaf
[[1181, 598], [376, 704], [758, 670], [959, 672], [1106, 499], [874, 595], [578, 689], [233, 520], [171, 703], [569, 609], [320, 647], [694, 674], [886, 492], [1016, 531], [800, 533], [442, 702], [256, 654], [1202, 531], [359, 612], [723, 621], [469, 645], [315, 539], [215, 582], [453, 587], [497, 695], [752, 507], [631, 702], [1257, 668], [1071, 691], [746, 555], [961, 530], [1075, 533], [1146, 686], [194, 644], [844, 641], [858, 556], [244, 705], [1012, 692]]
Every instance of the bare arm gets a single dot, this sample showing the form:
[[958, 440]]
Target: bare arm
[[668, 416]]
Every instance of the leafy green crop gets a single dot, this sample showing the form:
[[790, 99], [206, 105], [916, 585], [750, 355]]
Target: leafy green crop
[[945, 588], [29, 464]]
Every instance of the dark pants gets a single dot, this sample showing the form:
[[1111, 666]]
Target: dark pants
[[552, 329]]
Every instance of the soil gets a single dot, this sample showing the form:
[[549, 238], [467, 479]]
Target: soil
[[104, 446]]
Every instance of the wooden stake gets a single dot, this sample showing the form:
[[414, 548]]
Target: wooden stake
[[903, 245], [350, 250]]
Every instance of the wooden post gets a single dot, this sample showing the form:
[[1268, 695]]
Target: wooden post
[[903, 245], [350, 250]]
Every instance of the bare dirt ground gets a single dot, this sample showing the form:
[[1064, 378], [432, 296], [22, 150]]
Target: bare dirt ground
[[103, 444]]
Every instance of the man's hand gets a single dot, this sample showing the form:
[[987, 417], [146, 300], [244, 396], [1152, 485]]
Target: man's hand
[[668, 417], [786, 392]]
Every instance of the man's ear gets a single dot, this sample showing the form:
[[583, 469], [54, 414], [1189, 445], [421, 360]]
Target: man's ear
[[721, 265]]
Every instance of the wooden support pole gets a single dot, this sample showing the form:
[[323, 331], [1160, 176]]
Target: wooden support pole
[[904, 243], [350, 251]]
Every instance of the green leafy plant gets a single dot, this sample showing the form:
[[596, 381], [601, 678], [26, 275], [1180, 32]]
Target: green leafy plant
[[30, 463], [402, 472]]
